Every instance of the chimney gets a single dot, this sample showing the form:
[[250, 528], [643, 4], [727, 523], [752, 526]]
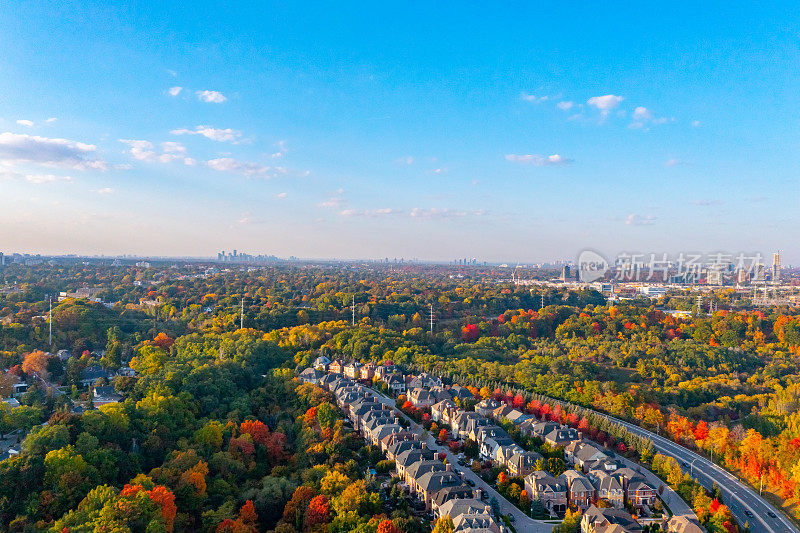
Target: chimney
[[478, 495]]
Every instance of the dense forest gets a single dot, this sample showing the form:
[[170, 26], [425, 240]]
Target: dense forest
[[214, 434]]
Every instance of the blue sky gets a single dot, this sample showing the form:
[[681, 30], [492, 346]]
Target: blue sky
[[511, 132]]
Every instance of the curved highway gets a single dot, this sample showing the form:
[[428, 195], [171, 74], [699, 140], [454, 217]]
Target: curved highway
[[739, 498], [745, 503]]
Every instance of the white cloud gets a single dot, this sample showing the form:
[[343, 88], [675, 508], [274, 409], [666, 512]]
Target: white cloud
[[534, 99], [605, 103], [282, 149], [32, 178], [46, 178], [228, 164], [51, 120], [50, 152], [282, 195], [642, 113], [639, 220], [140, 149], [706, 203], [672, 162], [145, 151], [565, 106], [172, 147], [371, 213], [105, 190], [215, 134], [417, 213], [407, 160], [24, 122], [435, 212], [334, 201], [643, 117], [538, 160], [696, 124], [212, 97], [175, 91]]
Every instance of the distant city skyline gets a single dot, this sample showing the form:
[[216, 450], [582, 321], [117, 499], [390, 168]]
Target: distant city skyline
[[510, 133]]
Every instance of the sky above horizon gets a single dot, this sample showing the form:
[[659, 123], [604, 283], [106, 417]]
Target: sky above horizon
[[506, 132]]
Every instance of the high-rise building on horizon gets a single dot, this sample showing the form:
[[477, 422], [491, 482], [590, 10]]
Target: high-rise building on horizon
[[776, 267]]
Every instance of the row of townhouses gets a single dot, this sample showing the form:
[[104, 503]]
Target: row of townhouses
[[443, 491], [598, 474]]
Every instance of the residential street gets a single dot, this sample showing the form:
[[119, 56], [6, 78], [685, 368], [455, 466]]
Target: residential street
[[523, 523]]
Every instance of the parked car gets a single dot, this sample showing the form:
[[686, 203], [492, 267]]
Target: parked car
[[470, 482], [511, 518], [773, 515]]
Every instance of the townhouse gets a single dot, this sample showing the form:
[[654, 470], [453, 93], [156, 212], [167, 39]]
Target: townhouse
[[541, 486], [321, 363], [580, 490], [396, 384], [408, 457], [562, 436], [608, 520], [395, 438], [468, 515], [682, 524], [441, 411], [352, 370], [608, 488], [400, 446], [310, 375], [522, 463], [486, 407], [421, 469], [421, 398], [415, 471], [367, 371], [424, 381], [462, 394], [430, 483]]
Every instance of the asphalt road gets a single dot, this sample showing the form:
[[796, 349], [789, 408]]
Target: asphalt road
[[738, 497], [522, 523]]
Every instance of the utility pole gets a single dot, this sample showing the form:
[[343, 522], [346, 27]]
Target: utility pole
[[354, 310], [50, 321], [542, 306], [431, 318], [241, 316]]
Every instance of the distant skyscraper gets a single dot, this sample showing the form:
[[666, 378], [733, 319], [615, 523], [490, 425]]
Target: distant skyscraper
[[776, 266], [742, 277], [565, 274]]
